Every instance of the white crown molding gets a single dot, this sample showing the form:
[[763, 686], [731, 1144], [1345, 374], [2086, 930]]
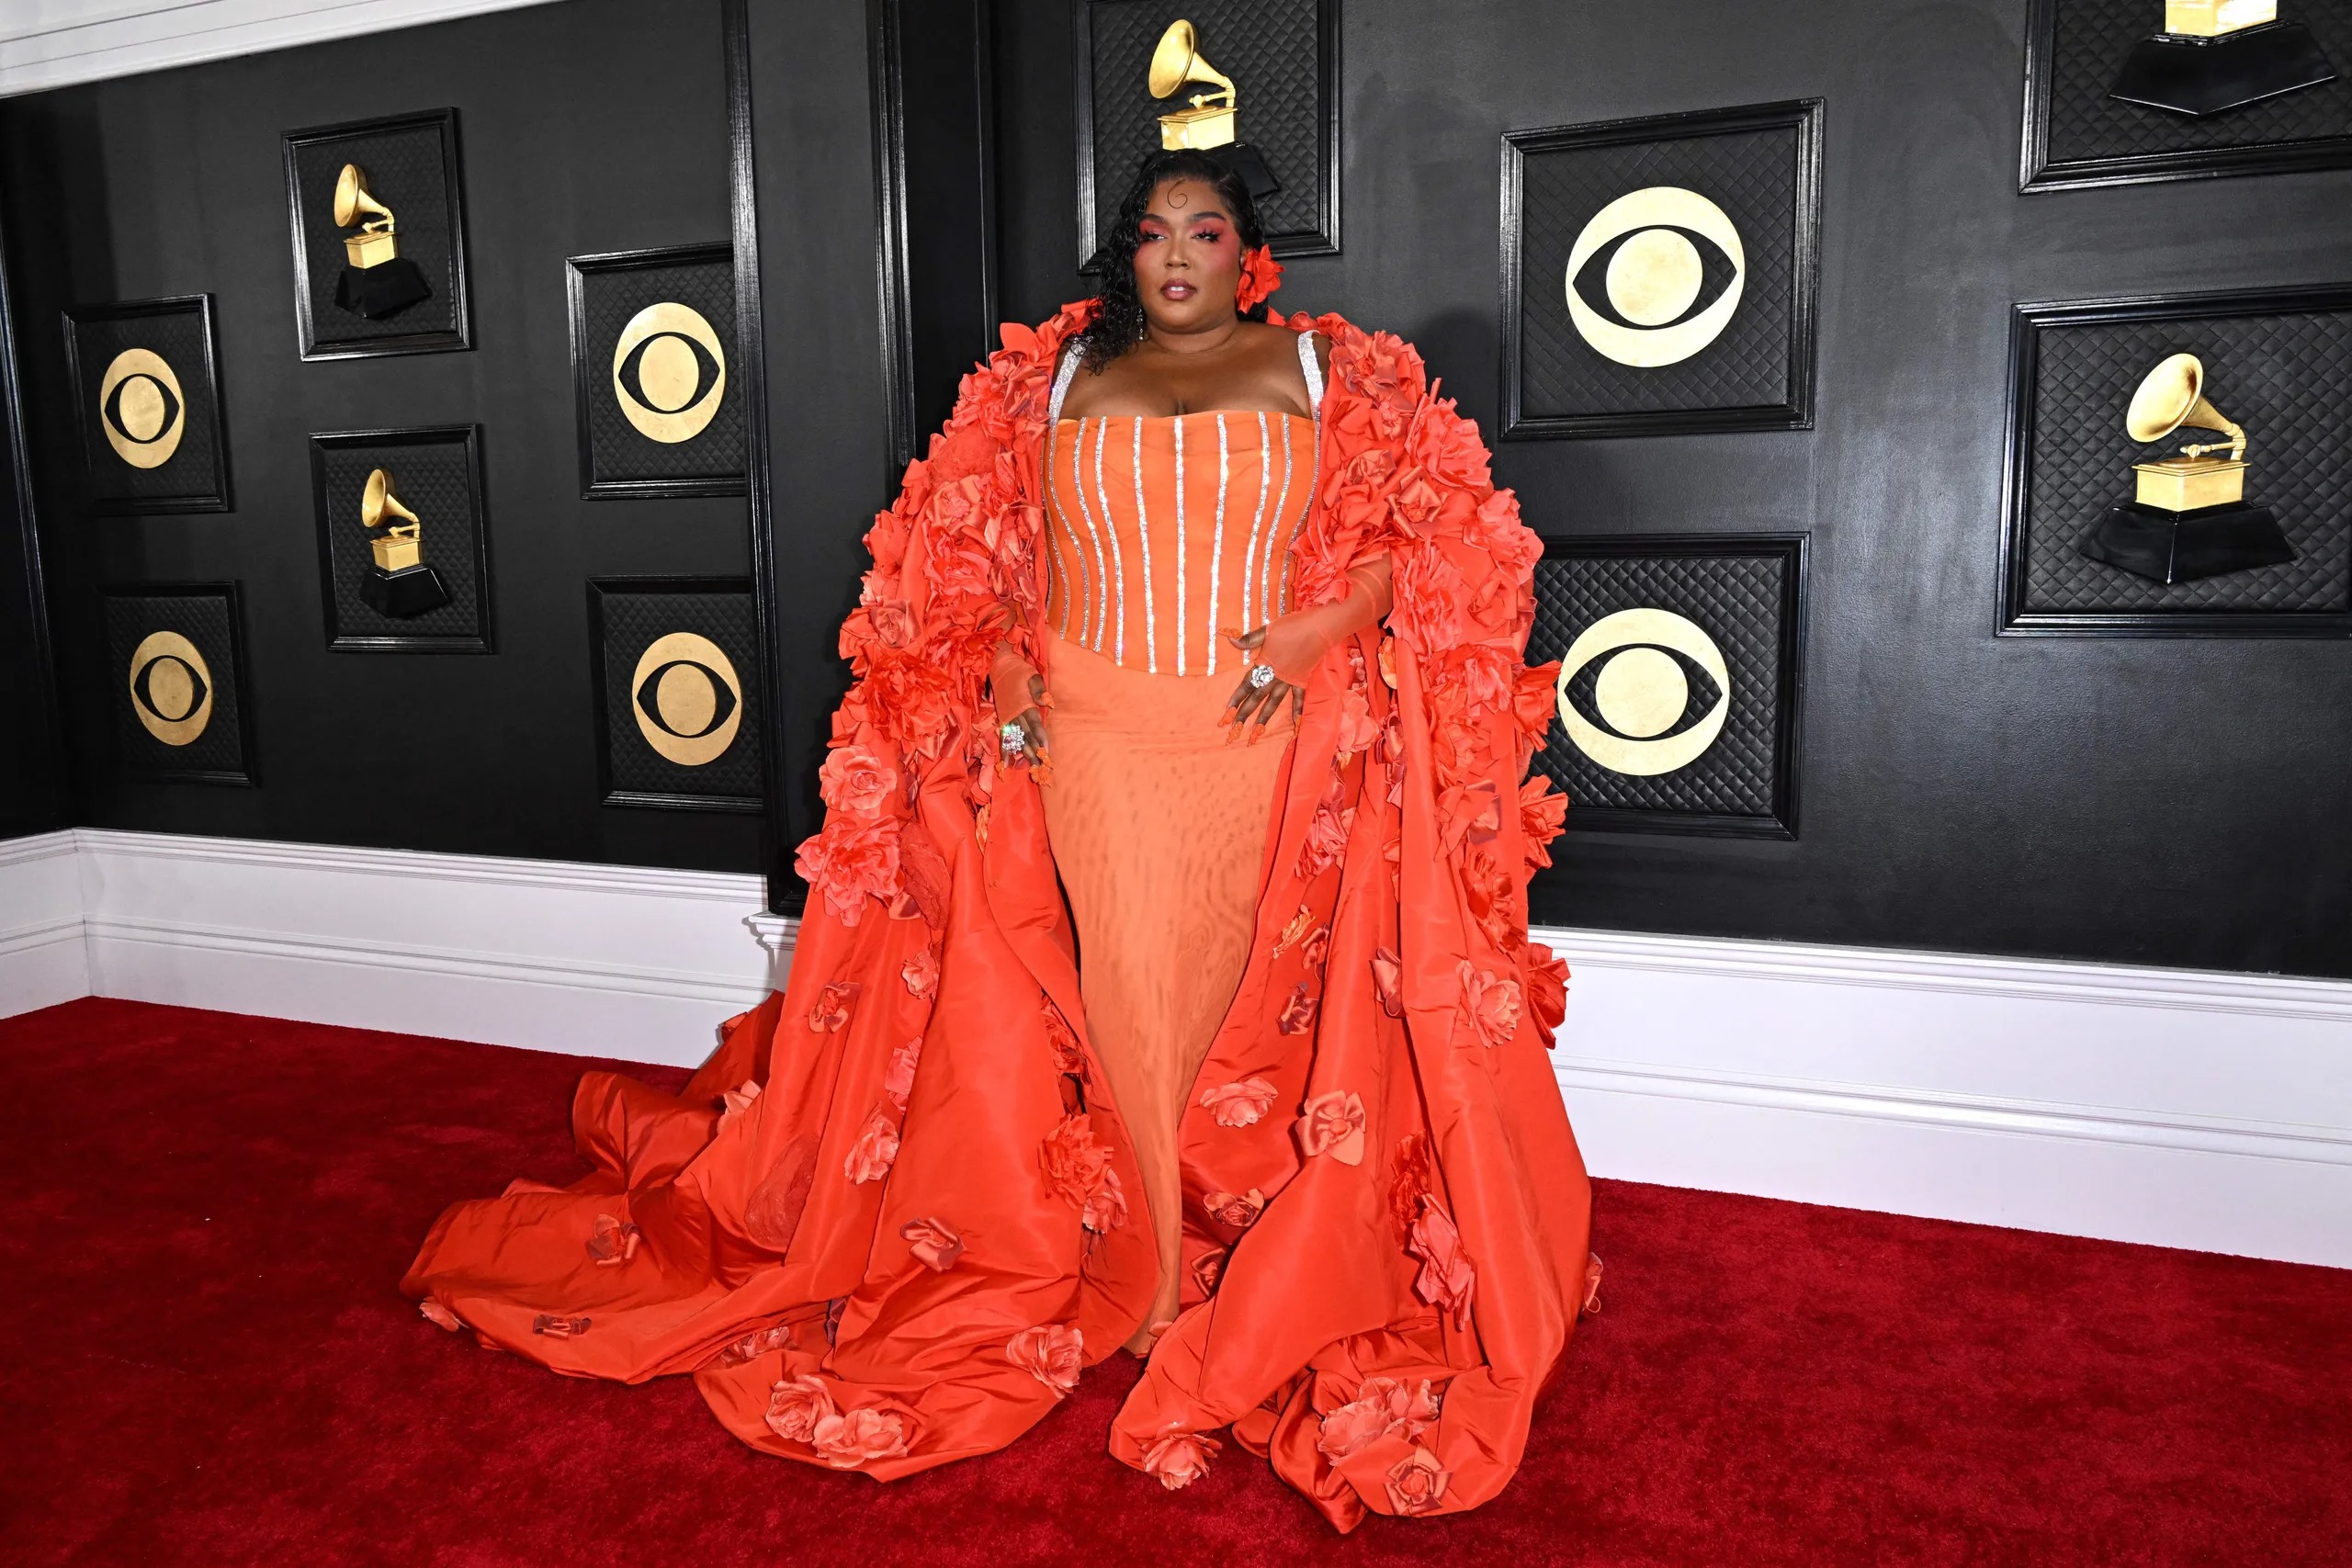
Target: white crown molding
[[55, 44], [38, 847]]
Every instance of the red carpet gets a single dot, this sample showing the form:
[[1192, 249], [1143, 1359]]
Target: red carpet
[[206, 1364]]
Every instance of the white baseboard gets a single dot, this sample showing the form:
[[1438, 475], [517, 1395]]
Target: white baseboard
[[50, 43], [2177, 1107], [2172, 1107], [42, 959]]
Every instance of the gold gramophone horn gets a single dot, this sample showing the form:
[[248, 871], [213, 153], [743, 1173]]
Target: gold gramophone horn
[[1178, 60], [352, 203], [377, 504], [2172, 395]]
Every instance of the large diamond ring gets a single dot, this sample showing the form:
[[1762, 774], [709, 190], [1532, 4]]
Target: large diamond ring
[[1261, 677], [1014, 739]]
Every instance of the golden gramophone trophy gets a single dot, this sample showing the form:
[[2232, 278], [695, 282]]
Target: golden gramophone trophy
[[398, 584], [377, 281], [2189, 517], [2220, 54], [1208, 125]]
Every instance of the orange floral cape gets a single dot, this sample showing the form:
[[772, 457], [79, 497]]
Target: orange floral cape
[[886, 1224]]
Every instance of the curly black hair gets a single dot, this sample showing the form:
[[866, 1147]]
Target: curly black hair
[[1119, 326]]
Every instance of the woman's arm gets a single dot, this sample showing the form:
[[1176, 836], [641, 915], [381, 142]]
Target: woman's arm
[[1293, 645]]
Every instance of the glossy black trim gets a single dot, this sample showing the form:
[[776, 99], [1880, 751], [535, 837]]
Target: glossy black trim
[[469, 435], [785, 890], [2026, 324], [248, 746], [1802, 115], [39, 633], [1321, 240], [659, 800], [584, 373], [438, 341], [218, 500], [1796, 551], [2036, 171]]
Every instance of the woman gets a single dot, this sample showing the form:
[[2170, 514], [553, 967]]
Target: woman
[[1268, 1100]]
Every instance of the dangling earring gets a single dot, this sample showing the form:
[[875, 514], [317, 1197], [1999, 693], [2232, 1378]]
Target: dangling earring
[[1260, 276]]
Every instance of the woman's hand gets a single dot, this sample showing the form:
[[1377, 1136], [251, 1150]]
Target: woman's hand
[[1289, 647], [1019, 694]]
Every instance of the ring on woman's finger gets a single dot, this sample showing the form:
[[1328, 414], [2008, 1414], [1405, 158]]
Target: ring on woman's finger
[[1014, 740], [1261, 677]]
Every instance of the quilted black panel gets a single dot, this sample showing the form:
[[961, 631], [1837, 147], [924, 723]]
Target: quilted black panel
[[208, 619], [193, 471], [617, 450], [407, 168], [1752, 175], [434, 480], [630, 618], [2087, 48], [1737, 600], [1268, 47], [2288, 379]]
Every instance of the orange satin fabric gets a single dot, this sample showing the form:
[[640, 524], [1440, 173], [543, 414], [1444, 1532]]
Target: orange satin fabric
[[1159, 531], [1158, 830]]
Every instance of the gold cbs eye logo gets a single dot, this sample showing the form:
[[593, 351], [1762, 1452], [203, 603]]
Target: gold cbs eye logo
[[140, 409], [1655, 277], [668, 372], [688, 699], [1644, 691], [171, 688]]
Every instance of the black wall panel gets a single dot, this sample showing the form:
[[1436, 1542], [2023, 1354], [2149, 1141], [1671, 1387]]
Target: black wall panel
[[588, 127], [2162, 802]]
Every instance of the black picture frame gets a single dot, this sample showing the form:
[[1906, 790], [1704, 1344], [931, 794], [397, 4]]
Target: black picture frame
[[451, 327], [335, 520], [207, 489], [1791, 410], [245, 772], [603, 474], [2044, 168], [753, 802], [1794, 552], [1320, 239], [2027, 324]]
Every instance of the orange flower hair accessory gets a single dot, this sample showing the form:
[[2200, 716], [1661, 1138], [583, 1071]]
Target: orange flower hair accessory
[[1260, 276]]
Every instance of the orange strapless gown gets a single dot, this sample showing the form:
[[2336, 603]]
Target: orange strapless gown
[[1159, 533]]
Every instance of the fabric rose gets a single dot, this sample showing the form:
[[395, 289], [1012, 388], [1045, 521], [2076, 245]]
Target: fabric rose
[[1298, 1013], [733, 1102], [1067, 1057], [1492, 1003], [557, 1327], [1542, 814], [796, 1405], [1357, 727], [1382, 1406], [613, 1241], [853, 780], [757, 1343], [1447, 1278], [860, 1436], [1074, 1164], [1388, 981], [1260, 276], [898, 1081], [1547, 988], [1105, 1208], [1416, 1483], [921, 974], [876, 1148], [1207, 1269], [850, 861], [934, 1242], [1316, 949], [1237, 1210], [1053, 1353], [1327, 832], [1180, 1458], [831, 1011], [1296, 930], [1408, 1180], [440, 1317], [1333, 1124], [1239, 1104], [1430, 592]]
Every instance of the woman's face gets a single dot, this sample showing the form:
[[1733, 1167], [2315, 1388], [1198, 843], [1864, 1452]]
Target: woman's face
[[1189, 262]]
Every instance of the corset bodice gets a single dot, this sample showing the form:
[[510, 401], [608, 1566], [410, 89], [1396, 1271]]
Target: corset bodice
[[1161, 531]]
